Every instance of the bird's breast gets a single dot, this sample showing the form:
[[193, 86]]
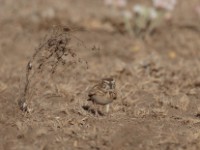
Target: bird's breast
[[101, 100]]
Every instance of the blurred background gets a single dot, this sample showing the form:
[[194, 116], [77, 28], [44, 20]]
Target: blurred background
[[153, 22], [151, 48]]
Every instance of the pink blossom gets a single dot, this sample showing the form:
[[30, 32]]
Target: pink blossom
[[165, 4], [197, 10], [121, 3], [109, 2]]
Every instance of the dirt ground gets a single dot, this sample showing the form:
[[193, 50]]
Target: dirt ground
[[157, 79]]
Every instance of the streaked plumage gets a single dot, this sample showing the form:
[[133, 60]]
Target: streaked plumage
[[103, 93]]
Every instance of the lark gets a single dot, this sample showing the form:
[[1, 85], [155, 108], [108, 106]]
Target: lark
[[103, 94]]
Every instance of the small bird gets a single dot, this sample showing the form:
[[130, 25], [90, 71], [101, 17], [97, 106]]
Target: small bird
[[103, 93]]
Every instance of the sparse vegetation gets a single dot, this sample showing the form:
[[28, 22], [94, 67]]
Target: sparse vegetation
[[53, 52], [142, 19]]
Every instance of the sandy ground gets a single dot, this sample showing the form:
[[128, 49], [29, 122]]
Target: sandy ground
[[157, 80]]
